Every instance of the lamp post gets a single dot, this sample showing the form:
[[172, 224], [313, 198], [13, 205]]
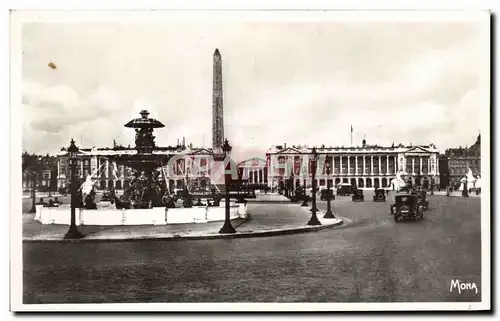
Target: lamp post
[[329, 213], [314, 219], [304, 194], [227, 227], [73, 232], [33, 192]]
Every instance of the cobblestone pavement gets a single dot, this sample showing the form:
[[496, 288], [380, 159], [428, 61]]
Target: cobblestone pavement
[[371, 259]]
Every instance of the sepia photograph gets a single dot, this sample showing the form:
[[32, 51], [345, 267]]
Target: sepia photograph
[[206, 160]]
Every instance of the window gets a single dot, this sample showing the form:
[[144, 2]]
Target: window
[[391, 165], [368, 164], [409, 164], [425, 165], [360, 165], [376, 161], [336, 168]]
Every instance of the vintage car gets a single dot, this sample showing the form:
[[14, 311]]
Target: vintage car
[[345, 189], [358, 196], [379, 195], [108, 196], [324, 194], [406, 207], [422, 199], [63, 191]]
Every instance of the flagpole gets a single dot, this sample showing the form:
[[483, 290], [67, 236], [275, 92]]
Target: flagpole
[[351, 135]]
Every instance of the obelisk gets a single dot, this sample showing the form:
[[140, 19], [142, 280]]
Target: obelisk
[[217, 103]]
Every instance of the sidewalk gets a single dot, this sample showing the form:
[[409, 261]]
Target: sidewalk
[[455, 194], [264, 220], [269, 198]]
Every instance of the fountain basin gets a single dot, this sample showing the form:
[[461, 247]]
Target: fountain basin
[[108, 215]]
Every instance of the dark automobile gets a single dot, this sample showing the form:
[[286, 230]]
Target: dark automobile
[[422, 199], [108, 196], [345, 189], [63, 191], [404, 189], [324, 195], [406, 207], [358, 196], [379, 195]]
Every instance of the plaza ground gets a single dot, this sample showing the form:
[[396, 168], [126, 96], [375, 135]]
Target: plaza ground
[[369, 259]]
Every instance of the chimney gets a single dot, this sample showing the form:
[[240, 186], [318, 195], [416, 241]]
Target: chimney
[[183, 141], [178, 142], [364, 142], [284, 145]]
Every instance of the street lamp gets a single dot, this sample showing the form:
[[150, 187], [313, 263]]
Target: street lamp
[[73, 232], [329, 213], [227, 227], [314, 219], [304, 194], [33, 192]]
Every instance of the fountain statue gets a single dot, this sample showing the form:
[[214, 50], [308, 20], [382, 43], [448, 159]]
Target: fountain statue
[[398, 182], [145, 190], [468, 180]]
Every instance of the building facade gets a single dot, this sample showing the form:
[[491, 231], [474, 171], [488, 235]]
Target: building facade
[[254, 170], [460, 160], [366, 166], [191, 167]]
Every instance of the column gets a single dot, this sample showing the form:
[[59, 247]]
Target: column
[[413, 165], [387, 163], [371, 165], [81, 168], [348, 165], [429, 165], [356, 164], [421, 161], [379, 166], [395, 163], [58, 167], [341, 165], [333, 164], [364, 165], [107, 169]]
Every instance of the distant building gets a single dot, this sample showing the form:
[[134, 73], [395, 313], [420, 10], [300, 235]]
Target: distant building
[[365, 166], [40, 170], [461, 159], [254, 170]]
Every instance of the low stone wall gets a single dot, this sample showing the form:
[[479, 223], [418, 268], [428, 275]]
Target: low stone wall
[[108, 215]]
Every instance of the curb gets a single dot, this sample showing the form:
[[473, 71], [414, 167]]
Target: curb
[[200, 237]]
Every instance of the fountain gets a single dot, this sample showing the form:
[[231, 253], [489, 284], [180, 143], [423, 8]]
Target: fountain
[[142, 202], [398, 183], [145, 190], [468, 181]]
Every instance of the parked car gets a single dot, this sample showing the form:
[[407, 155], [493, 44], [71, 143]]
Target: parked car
[[324, 194], [358, 196], [379, 195], [345, 189], [63, 191], [422, 199], [406, 207]]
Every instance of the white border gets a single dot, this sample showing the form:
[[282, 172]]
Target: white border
[[187, 16]]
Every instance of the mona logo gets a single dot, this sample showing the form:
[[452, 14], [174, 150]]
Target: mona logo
[[462, 286]]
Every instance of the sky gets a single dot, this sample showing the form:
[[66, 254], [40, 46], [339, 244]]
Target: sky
[[284, 82]]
